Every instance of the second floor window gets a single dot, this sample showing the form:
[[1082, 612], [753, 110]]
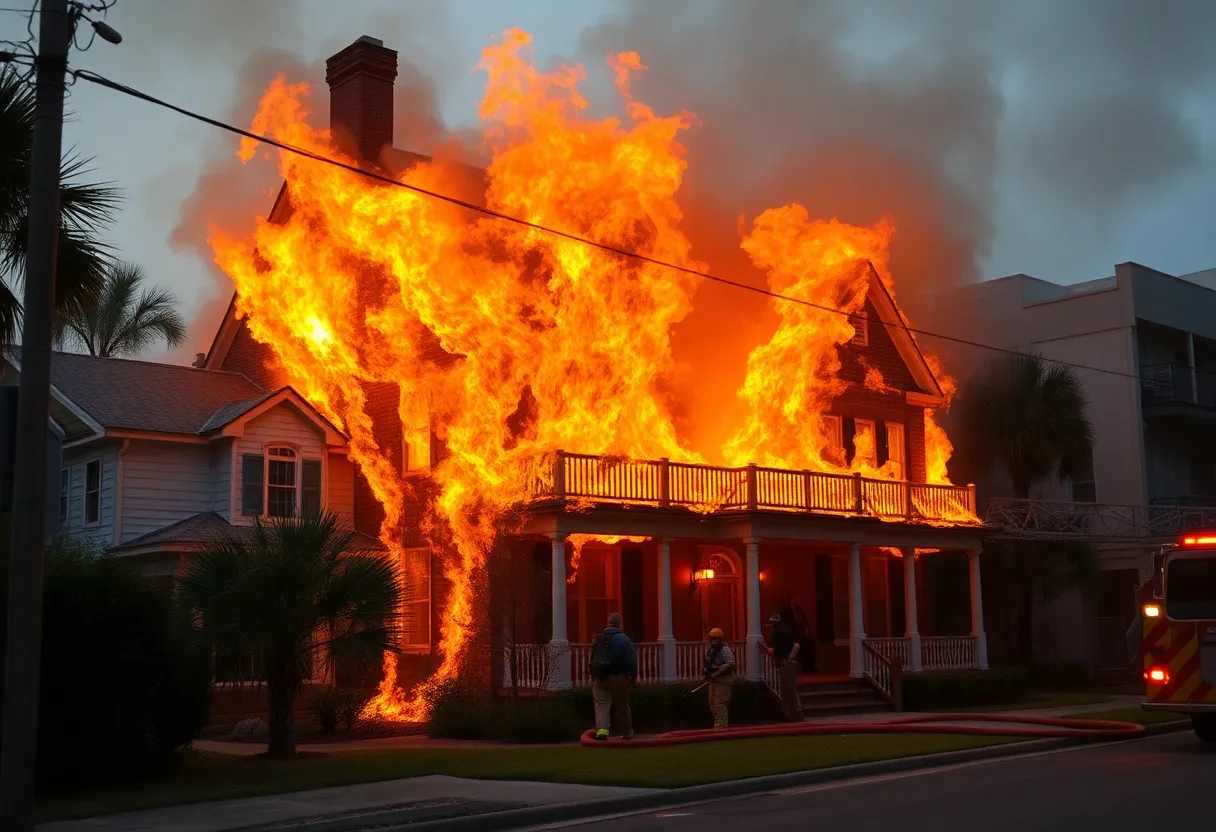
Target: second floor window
[[280, 483], [92, 492]]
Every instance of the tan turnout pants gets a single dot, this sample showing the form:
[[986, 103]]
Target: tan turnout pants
[[719, 699], [790, 702], [611, 697]]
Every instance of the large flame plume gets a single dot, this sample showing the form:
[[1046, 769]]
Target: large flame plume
[[550, 343]]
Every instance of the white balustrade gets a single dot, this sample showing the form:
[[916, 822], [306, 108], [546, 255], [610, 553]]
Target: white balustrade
[[895, 649], [949, 652], [536, 663]]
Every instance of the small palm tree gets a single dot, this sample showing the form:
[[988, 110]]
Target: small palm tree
[[297, 591], [122, 318], [85, 210], [1029, 416]]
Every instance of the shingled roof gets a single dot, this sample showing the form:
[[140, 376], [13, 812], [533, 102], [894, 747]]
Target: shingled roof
[[141, 395], [208, 527]]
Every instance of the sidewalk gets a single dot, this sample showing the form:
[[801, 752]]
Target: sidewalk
[[415, 797]]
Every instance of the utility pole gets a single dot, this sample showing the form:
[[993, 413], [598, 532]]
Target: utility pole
[[23, 648]]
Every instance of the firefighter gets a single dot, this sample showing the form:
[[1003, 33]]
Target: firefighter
[[720, 672]]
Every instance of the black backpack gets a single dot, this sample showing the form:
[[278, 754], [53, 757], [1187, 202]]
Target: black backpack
[[602, 665]]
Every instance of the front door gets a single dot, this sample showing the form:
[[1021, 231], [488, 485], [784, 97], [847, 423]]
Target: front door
[[720, 607]]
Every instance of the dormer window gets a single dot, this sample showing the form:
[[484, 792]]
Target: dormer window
[[279, 483]]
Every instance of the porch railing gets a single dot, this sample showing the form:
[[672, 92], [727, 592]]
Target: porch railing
[[937, 652], [707, 488], [535, 663], [884, 673]]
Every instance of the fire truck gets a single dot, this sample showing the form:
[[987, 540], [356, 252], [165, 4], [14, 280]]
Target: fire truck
[[1178, 611]]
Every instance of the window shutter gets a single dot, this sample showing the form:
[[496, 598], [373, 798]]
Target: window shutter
[[883, 449], [311, 480], [253, 474]]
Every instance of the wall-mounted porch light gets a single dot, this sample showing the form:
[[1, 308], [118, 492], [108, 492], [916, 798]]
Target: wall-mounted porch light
[[699, 575], [761, 579]]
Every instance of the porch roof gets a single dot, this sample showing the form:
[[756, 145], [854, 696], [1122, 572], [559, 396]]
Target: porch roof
[[604, 518], [201, 530]]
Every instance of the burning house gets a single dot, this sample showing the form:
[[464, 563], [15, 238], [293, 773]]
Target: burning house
[[492, 402]]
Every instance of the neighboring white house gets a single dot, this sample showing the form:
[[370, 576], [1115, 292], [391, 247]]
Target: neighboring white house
[[160, 460], [1150, 339]]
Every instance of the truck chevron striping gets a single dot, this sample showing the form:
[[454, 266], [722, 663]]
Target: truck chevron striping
[[1178, 614]]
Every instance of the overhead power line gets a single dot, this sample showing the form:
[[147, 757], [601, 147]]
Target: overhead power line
[[566, 235]]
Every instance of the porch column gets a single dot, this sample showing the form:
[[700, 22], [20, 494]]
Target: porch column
[[857, 627], [754, 636], [667, 639], [559, 676], [912, 621], [977, 611]]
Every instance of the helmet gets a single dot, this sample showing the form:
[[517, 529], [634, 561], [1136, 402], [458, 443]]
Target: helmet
[[716, 632]]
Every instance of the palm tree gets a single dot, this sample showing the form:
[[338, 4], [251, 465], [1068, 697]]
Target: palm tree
[[294, 592], [85, 210], [1030, 417], [122, 319]]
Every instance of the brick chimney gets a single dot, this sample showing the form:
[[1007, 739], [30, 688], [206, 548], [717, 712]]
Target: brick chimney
[[360, 79]]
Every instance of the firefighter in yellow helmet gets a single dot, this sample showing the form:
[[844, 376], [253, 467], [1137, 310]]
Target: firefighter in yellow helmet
[[720, 672]]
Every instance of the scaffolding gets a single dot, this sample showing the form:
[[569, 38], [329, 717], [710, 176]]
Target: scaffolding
[[1094, 522]]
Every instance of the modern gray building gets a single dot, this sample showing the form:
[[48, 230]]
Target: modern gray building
[[1143, 343]]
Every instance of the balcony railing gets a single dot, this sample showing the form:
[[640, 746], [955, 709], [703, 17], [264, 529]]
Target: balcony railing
[[708, 488], [1175, 383], [1095, 521]]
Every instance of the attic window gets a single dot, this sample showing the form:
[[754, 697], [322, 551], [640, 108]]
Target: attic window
[[861, 330]]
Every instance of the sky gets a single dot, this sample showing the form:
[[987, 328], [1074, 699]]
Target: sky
[[1053, 139]]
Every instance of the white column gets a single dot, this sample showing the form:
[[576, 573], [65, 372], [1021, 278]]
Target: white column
[[911, 625], [559, 676], [857, 628], [1190, 360], [977, 612], [667, 639], [754, 636]]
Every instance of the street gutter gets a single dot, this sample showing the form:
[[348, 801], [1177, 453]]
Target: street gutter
[[587, 809]]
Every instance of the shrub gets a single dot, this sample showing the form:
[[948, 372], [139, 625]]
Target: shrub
[[940, 689], [540, 719], [331, 707], [463, 712], [125, 680], [1061, 675]]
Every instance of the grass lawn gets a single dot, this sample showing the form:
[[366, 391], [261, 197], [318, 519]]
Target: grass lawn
[[1133, 715], [207, 776], [1061, 699]]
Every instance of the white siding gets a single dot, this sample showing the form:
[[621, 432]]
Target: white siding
[[341, 487], [281, 425], [163, 483], [101, 533], [221, 483]]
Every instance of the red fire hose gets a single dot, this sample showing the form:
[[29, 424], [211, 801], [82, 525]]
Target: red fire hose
[[1046, 728]]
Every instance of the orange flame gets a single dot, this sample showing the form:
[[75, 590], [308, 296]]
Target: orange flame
[[547, 343]]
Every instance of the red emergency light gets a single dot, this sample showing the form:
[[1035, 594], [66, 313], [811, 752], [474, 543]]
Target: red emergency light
[[1157, 675], [1205, 539]]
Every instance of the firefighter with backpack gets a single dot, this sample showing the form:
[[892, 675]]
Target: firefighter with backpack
[[720, 673], [614, 670]]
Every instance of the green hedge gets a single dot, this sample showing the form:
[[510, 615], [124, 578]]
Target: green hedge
[[463, 712], [939, 689], [334, 707]]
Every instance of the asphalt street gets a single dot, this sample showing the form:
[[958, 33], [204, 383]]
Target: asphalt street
[[1125, 787]]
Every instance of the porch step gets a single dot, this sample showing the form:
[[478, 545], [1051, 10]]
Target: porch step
[[840, 698]]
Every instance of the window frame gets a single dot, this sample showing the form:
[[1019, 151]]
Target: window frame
[[96, 521], [268, 454], [895, 429], [1092, 482], [857, 423], [65, 494], [416, 603]]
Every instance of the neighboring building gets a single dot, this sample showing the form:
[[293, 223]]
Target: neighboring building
[[1143, 344], [835, 539], [159, 460]]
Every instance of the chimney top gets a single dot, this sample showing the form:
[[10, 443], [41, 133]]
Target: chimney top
[[360, 79]]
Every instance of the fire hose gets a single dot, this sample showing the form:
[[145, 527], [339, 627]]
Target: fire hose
[[1007, 725]]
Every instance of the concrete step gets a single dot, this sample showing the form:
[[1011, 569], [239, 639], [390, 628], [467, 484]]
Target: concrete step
[[847, 709], [840, 698]]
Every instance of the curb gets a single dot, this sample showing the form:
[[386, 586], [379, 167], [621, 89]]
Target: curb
[[666, 798]]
